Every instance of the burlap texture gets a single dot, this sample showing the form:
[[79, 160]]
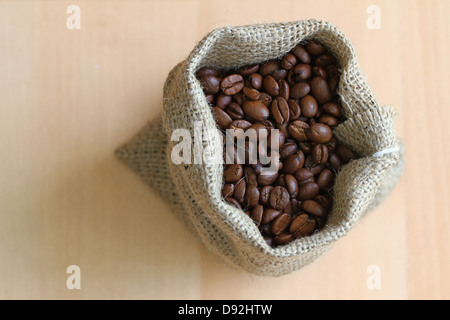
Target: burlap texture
[[194, 191]]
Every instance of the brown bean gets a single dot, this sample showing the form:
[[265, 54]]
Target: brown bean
[[223, 100], [210, 84], [303, 71], [248, 70], [309, 106], [284, 89], [255, 80], [227, 190], [301, 53], [280, 110], [232, 84], [267, 179], [280, 224], [315, 48], [279, 198], [268, 67], [313, 208], [222, 118], [294, 110], [319, 132], [335, 162], [256, 110], [257, 214], [251, 196], [284, 238], [325, 59], [333, 108], [233, 173], [288, 61], [206, 72], [325, 179], [235, 111], [329, 120], [321, 90], [251, 93], [265, 194], [298, 130], [291, 185], [344, 153], [308, 191], [299, 90], [320, 154], [239, 190], [271, 86], [270, 214], [233, 202], [294, 162], [288, 149], [302, 226], [303, 174]]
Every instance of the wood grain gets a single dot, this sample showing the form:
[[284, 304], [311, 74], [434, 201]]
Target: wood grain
[[68, 98]]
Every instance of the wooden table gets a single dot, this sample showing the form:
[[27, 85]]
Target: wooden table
[[70, 97]]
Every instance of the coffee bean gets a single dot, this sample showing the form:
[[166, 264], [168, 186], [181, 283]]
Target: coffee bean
[[301, 53], [284, 89], [313, 208], [248, 70], [291, 185], [206, 72], [299, 90], [332, 108], [284, 238], [335, 162], [267, 179], [223, 100], [255, 80], [294, 162], [320, 72], [303, 71], [250, 176], [279, 197], [251, 93], [302, 226], [251, 196], [268, 67], [324, 201], [210, 84], [294, 110], [279, 74], [271, 86], [265, 99], [222, 118], [303, 175], [233, 173], [288, 149], [298, 130], [227, 190], [308, 191], [321, 90], [308, 106], [288, 61], [320, 154], [270, 214], [329, 120], [280, 224], [256, 110], [325, 59], [280, 110], [239, 190], [233, 202], [235, 111], [344, 153], [240, 124], [315, 48], [265, 194], [257, 214], [232, 84], [319, 132], [325, 178]]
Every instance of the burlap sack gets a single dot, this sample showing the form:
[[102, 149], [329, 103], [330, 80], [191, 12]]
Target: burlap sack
[[194, 191]]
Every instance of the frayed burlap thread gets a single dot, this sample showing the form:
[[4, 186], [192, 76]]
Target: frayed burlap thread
[[193, 191]]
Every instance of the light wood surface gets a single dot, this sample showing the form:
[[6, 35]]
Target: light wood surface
[[69, 98]]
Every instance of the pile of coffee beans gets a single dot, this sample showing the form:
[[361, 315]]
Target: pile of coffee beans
[[297, 95]]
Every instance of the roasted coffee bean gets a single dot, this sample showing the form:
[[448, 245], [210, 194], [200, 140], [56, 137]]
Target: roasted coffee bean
[[223, 100], [301, 53], [279, 198], [251, 198], [294, 162], [344, 153], [291, 185], [227, 190], [303, 175], [308, 106], [320, 72], [325, 59], [267, 179], [222, 118], [268, 67], [251, 93], [239, 190], [280, 110], [302, 226], [257, 214], [206, 72], [332, 108], [248, 70], [308, 191], [255, 80], [335, 162], [325, 178], [320, 133], [313, 208], [329, 120], [299, 90], [298, 130], [279, 74], [288, 61], [270, 214], [287, 150], [256, 110], [284, 238], [320, 154], [315, 48], [233, 173], [210, 84], [240, 124], [306, 147], [294, 110], [265, 99], [265, 194], [280, 224], [235, 111], [324, 201], [271, 86], [233, 202], [284, 89], [250, 176], [303, 71], [232, 84], [332, 145], [321, 90]]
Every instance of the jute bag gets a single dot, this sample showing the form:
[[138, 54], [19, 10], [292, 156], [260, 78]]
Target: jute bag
[[193, 191]]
